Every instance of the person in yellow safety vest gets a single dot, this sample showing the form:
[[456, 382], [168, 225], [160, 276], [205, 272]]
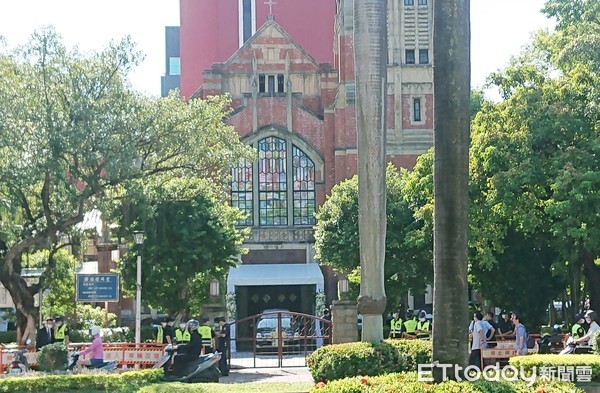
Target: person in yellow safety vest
[[396, 325], [182, 334], [410, 325], [423, 326], [162, 336], [208, 336], [61, 331], [578, 331]]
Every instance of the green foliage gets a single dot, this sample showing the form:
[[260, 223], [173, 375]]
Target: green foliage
[[88, 316], [60, 281], [359, 358], [190, 237], [8, 337], [52, 357], [528, 362], [408, 255], [88, 138], [115, 383], [407, 382]]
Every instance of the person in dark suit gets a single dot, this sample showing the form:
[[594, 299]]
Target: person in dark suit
[[45, 334]]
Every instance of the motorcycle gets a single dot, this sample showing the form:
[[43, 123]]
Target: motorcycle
[[571, 347], [19, 363], [107, 366], [178, 369]]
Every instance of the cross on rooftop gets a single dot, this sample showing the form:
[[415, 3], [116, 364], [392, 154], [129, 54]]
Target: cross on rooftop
[[270, 4]]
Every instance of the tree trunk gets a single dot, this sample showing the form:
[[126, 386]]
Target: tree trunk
[[27, 313], [452, 71], [370, 37], [592, 278]]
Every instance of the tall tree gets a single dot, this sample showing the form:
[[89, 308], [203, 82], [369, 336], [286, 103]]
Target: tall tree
[[452, 72], [370, 45], [72, 133], [408, 249], [190, 238]]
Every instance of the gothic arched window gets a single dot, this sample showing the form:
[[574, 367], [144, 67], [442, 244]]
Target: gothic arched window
[[261, 189]]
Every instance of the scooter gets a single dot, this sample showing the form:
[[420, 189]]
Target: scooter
[[201, 369], [19, 363], [572, 348], [107, 366]]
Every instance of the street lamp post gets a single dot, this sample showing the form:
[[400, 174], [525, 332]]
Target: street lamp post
[[139, 241]]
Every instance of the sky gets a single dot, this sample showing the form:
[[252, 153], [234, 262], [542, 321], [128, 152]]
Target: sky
[[499, 28]]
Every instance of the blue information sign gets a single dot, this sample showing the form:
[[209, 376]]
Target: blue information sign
[[98, 287]]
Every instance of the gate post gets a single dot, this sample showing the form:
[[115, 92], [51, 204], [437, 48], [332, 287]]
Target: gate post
[[345, 321]]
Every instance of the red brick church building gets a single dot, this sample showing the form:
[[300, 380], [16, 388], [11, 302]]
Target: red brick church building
[[288, 66]]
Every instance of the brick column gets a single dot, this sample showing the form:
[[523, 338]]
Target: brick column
[[344, 318]]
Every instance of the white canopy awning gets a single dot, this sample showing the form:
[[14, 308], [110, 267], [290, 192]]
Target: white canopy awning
[[275, 274]]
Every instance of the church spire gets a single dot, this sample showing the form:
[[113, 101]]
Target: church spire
[[270, 4]]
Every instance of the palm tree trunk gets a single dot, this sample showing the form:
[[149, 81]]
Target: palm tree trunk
[[370, 47], [452, 73]]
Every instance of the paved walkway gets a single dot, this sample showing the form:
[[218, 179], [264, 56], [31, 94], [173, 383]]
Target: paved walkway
[[288, 374]]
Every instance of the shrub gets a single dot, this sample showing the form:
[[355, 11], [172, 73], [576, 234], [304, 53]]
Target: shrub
[[407, 382], [52, 357], [344, 360], [113, 383], [8, 337], [554, 361]]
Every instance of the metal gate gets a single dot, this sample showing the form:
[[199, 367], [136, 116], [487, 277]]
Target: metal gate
[[277, 339]]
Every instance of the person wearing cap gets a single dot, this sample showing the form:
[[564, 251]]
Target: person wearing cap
[[409, 326], [578, 331], [505, 326], [61, 331], [223, 336], [161, 337], [396, 325], [182, 334], [45, 334], [423, 326], [208, 336]]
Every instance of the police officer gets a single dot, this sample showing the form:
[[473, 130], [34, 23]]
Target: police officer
[[578, 331], [223, 337], [396, 325], [61, 331], [410, 325], [182, 334], [162, 336], [208, 336], [423, 326]]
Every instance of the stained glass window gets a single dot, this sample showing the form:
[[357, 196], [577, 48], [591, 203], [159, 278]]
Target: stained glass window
[[304, 188], [241, 191], [272, 181]]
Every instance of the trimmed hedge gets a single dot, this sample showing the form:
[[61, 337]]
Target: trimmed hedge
[[97, 381], [530, 361], [339, 361], [407, 383]]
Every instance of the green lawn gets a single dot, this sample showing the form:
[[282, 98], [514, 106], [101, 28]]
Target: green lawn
[[266, 387]]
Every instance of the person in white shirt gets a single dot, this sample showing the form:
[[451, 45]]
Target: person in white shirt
[[478, 340], [591, 317]]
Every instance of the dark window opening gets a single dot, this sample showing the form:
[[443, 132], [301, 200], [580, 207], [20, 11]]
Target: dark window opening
[[261, 84], [271, 83], [280, 83], [409, 2], [417, 109], [247, 21], [423, 56], [422, 2], [410, 56]]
